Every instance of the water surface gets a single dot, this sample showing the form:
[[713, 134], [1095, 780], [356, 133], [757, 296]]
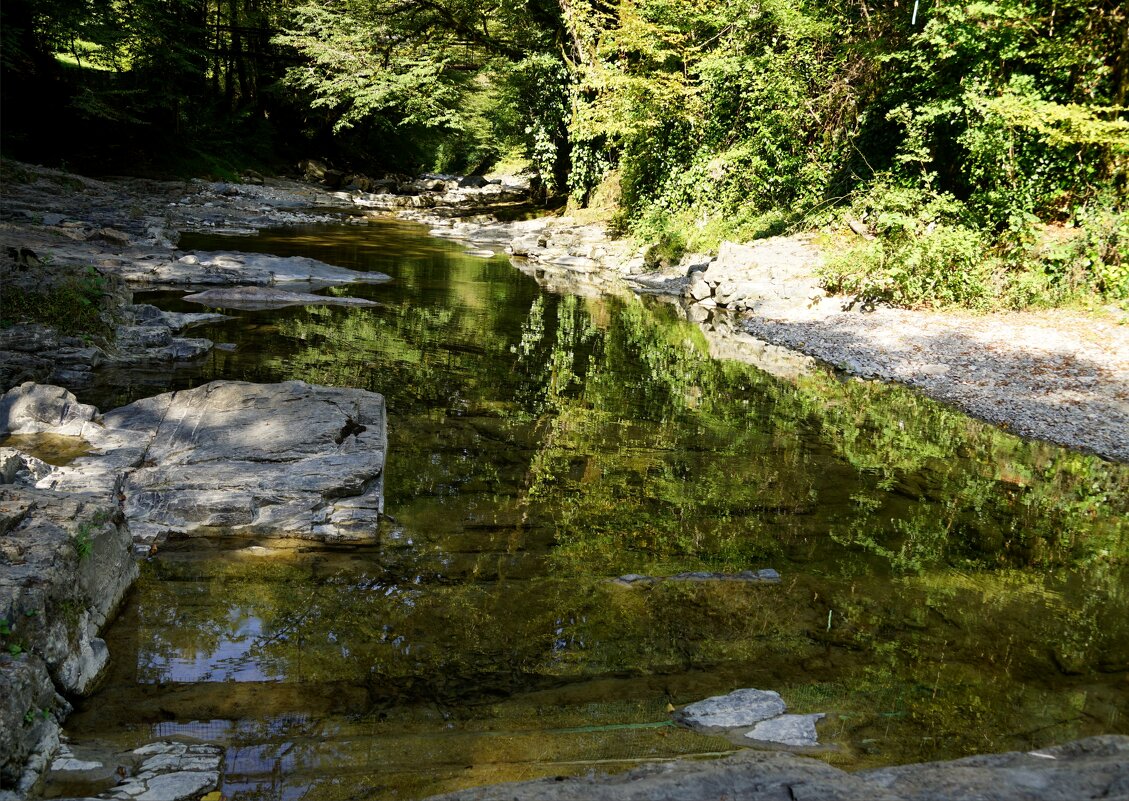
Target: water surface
[[947, 588]]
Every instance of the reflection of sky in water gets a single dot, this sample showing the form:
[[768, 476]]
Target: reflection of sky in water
[[257, 769], [232, 658]]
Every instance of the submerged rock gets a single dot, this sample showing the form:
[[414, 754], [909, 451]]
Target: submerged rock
[[794, 730], [161, 771], [251, 298], [739, 708], [233, 268], [764, 576], [274, 460], [1087, 769]]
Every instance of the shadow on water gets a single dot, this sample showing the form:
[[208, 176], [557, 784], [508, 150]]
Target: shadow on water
[[947, 588]]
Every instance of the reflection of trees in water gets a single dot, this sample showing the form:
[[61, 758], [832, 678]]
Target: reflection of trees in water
[[947, 587], [647, 438]]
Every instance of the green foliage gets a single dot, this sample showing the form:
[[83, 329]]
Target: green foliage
[[718, 120], [930, 251], [73, 305], [924, 253], [944, 267], [745, 120], [83, 540], [468, 84], [343, 73]]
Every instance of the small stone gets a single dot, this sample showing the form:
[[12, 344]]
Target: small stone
[[743, 707], [794, 730]]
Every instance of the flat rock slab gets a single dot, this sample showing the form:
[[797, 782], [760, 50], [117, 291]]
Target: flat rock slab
[[163, 771], [248, 268], [253, 298], [227, 458], [739, 708], [764, 576], [1087, 769], [794, 730]]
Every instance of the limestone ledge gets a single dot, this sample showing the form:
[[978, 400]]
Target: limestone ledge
[[229, 458], [160, 771], [65, 566], [1094, 768]]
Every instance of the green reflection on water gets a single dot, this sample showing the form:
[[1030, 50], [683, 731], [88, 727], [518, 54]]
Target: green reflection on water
[[947, 588]]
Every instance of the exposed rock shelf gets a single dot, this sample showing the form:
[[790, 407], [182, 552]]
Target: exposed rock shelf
[[275, 460], [65, 566], [228, 458], [1087, 769]]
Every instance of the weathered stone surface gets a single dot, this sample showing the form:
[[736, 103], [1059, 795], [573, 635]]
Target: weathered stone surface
[[20, 468], [163, 771], [144, 335], [765, 276], [740, 708], [65, 565], [255, 297], [1094, 768], [698, 288], [766, 576], [794, 730], [35, 408], [228, 268], [289, 460], [29, 727], [449, 195]]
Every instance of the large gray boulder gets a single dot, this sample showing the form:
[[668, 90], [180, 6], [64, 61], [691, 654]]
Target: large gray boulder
[[226, 458], [1094, 768], [36, 408]]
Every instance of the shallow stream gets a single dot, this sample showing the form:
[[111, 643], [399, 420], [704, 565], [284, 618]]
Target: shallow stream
[[946, 588]]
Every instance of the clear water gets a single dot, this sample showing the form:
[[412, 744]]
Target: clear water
[[947, 588]]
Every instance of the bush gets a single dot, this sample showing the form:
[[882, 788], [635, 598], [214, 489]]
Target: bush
[[73, 305], [945, 266]]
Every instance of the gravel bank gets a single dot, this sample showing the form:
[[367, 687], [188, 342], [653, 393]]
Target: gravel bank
[[1060, 376]]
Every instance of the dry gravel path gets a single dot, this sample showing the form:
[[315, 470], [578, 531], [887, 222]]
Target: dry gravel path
[[1061, 376]]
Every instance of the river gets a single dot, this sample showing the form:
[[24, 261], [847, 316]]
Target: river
[[946, 587]]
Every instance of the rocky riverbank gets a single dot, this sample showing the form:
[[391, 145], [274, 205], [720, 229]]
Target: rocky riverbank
[[65, 566], [1061, 376], [226, 459]]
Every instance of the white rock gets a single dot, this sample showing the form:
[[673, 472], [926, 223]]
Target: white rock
[[795, 730], [739, 708]]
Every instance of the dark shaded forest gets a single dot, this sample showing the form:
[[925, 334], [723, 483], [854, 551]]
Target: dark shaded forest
[[980, 150]]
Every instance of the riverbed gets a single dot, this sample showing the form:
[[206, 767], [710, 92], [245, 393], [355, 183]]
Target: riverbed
[[947, 588]]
